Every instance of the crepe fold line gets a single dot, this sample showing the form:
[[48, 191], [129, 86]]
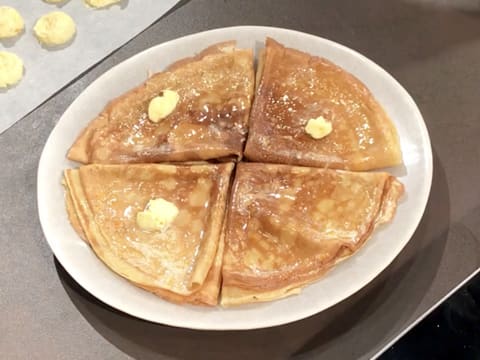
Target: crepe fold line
[[209, 121], [287, 226], [179, 264], [294, 87], [208, 292]]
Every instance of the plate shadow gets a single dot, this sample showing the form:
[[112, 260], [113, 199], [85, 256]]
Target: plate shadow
[[378, 308]]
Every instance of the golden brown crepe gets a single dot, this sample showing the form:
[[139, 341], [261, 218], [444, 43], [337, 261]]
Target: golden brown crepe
[[181, 262], [288, 225], [296, 87], [209, 121]]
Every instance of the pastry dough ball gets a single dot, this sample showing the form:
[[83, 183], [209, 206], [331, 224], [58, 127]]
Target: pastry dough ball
[[11, 22], [11, 69], [55, 28], [101, 3]]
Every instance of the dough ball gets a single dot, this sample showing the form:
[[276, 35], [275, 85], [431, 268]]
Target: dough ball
[[101, 3], [11, 22], [55, 28], [11, 69]]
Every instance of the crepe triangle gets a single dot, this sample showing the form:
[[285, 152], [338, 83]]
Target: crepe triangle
[[181, 262], [215, 90], [295, 87], [288, 225]]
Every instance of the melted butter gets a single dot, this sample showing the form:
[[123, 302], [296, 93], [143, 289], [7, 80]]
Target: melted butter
[[157, 215], [318, 128], [163, 105]]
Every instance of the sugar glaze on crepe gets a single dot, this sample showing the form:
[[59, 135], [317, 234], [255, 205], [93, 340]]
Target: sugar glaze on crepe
[[288, 225], [215, 91], [181, 263], [294, 87]]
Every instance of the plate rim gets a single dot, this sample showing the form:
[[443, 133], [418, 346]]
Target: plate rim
[[294, 316]]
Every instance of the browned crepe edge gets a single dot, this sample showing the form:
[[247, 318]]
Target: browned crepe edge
[[72, 215], [222, 47], [260, 67], [216, 217], [235, 295], [79, 151]]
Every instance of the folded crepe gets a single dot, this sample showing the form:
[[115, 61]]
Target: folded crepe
[[208, 293], [180, 262], [214, 92], [287, 225], [294, 88]]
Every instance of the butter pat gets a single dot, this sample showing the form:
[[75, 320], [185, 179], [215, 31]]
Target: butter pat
[[162, 106], [55, 28], [11, 22], [318, 128], [158, 214], [97, 4], [11, 69]]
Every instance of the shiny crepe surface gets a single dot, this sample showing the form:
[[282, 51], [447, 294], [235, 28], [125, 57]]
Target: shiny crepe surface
[[209, 122], [288, 225], [180, 263], [296, 87], [208, 292]]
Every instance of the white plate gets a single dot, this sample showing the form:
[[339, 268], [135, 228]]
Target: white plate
[[347, 278]]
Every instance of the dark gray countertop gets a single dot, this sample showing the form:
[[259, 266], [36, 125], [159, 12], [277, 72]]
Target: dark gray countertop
[[434, 51]]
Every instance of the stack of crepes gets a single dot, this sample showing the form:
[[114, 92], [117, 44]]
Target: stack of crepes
[[181, 263], [181, 230]]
